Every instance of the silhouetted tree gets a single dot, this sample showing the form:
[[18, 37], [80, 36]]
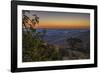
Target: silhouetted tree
[[29, 23], [36, 19], [34, 48], [74, 43]]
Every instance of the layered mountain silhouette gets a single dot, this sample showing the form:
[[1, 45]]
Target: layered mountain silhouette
[[59, 37]]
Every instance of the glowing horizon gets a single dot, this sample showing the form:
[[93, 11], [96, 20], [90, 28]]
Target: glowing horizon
[[61, 20]]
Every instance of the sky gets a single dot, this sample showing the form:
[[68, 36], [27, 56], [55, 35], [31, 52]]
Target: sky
[[61, 20]]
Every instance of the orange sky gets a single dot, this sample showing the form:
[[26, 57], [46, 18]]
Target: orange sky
[[61, 20], [64, 24]]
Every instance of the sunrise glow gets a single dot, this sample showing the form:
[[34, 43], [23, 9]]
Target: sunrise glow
[[61, 20]]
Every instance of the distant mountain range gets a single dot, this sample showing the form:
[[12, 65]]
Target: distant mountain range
[[59, 36]]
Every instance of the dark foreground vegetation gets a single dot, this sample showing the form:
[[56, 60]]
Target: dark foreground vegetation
[[36, 49]]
